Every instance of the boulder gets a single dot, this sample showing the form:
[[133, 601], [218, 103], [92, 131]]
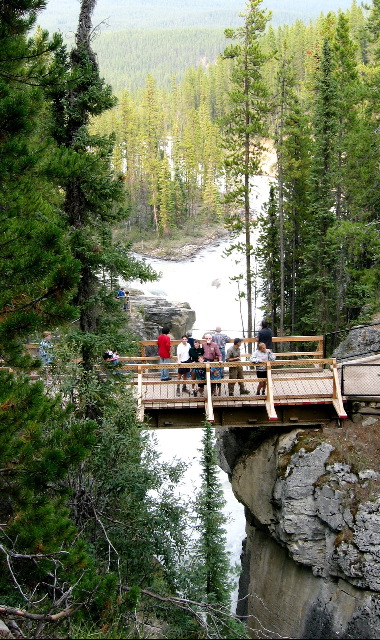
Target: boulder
[[150, 313], [361, 341]]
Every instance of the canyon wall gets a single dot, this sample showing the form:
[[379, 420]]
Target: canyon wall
[[311, 559]]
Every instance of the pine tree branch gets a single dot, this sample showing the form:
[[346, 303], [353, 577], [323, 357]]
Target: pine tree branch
[[110, 545], [20, 613], [199, 610]]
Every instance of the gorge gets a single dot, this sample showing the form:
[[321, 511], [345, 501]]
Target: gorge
[[310, 563]]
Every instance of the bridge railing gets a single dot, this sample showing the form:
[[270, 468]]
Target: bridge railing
[[286, 380], [278, 344]]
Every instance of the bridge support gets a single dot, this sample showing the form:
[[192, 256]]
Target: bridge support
[[288, 416]]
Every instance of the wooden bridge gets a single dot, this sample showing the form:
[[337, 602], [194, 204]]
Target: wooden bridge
[[302, 388]]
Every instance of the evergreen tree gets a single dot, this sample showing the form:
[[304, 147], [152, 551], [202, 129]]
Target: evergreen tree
[[213, 561], [244, 127], [296, 175], [93, 195], [318, 278], [208, 578], [45, 565], [268, 258], [283, 103], [38, 273]]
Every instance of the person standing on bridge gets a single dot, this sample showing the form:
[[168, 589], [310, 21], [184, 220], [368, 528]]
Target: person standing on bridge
[[213, 354], [262, 355], [183, 356], [190, 338], [221, 339], [265, 335], [200, 376], [236, 372], [211, 350], [164, 343], [195, 352]]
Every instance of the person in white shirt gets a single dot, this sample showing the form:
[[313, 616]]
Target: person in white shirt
[[183, 356], [262, 355]]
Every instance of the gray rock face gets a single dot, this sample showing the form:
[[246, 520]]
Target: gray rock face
[[312, 555], [150, 314], [360, 341]]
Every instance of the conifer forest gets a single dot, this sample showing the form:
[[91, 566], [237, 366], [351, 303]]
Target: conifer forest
[[94, 540]]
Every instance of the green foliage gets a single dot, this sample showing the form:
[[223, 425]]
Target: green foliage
[[212, 560], [207, 576], [38, 272], [326, 170], [40, 548], [93, 195], [244, 126]]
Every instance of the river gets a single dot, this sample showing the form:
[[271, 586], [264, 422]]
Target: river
[[204, 282]]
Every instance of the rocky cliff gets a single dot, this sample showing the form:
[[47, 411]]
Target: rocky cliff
[[149, 314], [311, 560]]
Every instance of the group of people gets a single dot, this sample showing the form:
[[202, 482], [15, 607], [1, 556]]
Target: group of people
[[123, 296], [190, 350]]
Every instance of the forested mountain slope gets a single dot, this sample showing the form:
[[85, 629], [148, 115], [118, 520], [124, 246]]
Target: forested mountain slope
[[160, 14], [127, 57], [136, 38], [317, 91]]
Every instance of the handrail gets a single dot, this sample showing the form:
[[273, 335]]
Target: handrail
[[249, 340], [199, 365], [276, 339], [140, 404], [33, 346]]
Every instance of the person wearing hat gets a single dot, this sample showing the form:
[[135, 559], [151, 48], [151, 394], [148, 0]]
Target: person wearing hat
[[233, 355]]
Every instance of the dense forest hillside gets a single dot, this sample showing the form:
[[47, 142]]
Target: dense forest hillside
[[161, 14], [126, 57], [175, 146], [135, 39]]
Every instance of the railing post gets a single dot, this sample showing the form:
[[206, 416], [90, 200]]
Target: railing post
[[140, 403], [209, 408], [271, 411], [336, 395]]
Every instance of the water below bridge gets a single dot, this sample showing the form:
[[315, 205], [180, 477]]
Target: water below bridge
[[204, 282]]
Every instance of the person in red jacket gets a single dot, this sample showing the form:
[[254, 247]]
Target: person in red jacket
[[163, 342]]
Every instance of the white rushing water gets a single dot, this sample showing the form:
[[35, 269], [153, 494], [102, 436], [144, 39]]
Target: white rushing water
[[194, 281], [204, 280]]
